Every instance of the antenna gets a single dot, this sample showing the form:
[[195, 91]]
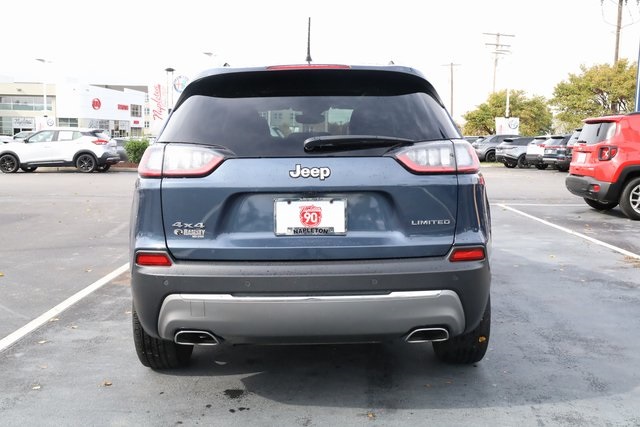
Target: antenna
[[309, 43]]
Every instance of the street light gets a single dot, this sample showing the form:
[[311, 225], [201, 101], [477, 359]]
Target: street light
[[169, 70], [44, 85]]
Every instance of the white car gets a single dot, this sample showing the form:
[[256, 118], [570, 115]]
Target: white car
[[535, 151], [85, 148]]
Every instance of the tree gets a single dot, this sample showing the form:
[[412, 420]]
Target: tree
[[535, 116], [599, 91]]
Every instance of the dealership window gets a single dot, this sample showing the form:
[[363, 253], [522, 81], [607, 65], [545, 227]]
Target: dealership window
[[136, 110], [146, 125], [68, 122], [24, 103], [147, 111], [6, 126]]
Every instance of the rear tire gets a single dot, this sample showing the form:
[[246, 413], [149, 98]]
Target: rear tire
[[522, 162], [630, 199], [490, 157], [541, 166], [510, 165], [156, 353], [28, 168], [467, 348], [86, 163], [563, 168], [103, 168], [600, 206], [9, 163]]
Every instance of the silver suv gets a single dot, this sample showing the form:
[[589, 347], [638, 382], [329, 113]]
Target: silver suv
[[84, 148]]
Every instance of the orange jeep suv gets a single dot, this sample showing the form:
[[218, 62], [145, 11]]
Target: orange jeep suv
[[605, 168]]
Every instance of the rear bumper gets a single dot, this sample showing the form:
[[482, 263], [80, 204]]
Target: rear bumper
[[108, 159], [319, 301], [533, 158], [584, 186], [274, 319]]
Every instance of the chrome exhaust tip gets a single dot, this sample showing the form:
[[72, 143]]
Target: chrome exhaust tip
[[427, 335], [195, 338]]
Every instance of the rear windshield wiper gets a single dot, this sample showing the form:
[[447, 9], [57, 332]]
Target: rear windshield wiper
[[352, 142]]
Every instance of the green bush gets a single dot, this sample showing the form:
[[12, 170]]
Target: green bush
[[135, 149]]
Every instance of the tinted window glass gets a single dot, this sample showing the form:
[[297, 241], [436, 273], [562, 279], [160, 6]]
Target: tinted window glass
[[271, 114], [44, 136], [593, 133]]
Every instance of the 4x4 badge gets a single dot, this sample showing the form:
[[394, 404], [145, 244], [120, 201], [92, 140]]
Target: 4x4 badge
[[300, 172]]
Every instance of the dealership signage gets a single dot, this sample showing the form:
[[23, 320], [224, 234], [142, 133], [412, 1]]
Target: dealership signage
[[507, 125], [23, 122]]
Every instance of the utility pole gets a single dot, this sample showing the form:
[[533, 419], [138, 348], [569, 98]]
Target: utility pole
[[618, 27], [618, 24], [451, 65], [498, 49]]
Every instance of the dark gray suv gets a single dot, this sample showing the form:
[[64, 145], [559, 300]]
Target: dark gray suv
[[364, 219], [486, 147]]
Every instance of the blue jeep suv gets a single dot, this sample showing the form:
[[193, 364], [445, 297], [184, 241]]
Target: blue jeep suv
[[363, 219]]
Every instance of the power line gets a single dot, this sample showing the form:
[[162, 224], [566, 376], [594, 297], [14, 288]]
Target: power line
[[498, 50]]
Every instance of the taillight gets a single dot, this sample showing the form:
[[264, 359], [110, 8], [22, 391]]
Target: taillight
[[607, 152], [440, 157], [178, 161], [467, 254], [153, 259], [100, 141]]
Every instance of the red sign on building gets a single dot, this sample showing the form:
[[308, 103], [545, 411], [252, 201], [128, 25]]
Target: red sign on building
[[96, 104], [123, 107]]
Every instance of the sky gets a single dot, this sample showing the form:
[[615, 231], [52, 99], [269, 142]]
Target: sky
[[133, 42]]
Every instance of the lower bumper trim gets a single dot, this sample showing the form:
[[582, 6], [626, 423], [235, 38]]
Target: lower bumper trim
[[332, 318]]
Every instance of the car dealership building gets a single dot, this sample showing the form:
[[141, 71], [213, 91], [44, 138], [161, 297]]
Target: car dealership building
[[123, 110]]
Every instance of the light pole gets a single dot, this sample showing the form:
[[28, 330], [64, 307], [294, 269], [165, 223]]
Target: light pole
[[451, 65], [169, 70], [44, 84]]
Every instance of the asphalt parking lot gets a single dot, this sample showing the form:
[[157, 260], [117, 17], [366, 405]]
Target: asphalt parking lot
[[564, 349]]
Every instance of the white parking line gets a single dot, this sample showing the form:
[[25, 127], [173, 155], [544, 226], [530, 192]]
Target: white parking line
[[574, 233], [45, 317]]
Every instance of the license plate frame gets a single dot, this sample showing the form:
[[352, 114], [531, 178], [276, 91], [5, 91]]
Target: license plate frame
[[581, 157], [310, 217]]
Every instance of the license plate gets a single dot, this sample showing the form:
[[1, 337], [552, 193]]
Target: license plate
[[548, 151], [581, 157], [310, 217]]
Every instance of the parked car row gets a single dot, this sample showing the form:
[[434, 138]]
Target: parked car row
[[541, 151], [602, 158]]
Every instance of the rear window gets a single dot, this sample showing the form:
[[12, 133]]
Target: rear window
[[522, 141], [260, 115], [593, 133]]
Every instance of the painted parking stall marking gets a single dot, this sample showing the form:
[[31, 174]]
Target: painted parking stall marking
[[13, 337], [568, 231]]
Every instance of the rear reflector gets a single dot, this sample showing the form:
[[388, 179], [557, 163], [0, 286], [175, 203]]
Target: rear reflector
[[467, 254], [154, 259], [440, 157]]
